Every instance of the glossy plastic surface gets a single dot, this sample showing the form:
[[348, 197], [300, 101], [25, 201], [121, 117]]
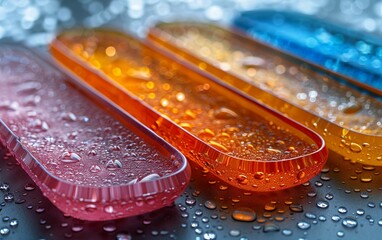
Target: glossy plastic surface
[[352, 54], [237, 139], [89, 164], [349, 121]]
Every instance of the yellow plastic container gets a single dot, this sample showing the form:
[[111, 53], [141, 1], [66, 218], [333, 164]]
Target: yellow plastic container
[[349, 121]]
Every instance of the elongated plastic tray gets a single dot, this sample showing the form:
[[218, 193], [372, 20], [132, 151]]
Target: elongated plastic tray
[[237, 139], [349, 121], [89, 158], [356, 55]]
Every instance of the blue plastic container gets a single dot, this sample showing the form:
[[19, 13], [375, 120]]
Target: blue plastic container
[[353, 55]]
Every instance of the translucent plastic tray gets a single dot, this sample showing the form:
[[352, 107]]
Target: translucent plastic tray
[[349, 121], [239, 140], [356, 55], [89, 158]]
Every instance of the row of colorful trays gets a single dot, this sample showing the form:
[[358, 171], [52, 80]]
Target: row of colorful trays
[[105, 130]]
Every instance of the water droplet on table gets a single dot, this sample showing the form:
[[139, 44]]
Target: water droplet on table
[[244, 215]]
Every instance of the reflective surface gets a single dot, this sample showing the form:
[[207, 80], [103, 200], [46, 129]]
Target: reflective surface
[[343, 202], [37, 218]]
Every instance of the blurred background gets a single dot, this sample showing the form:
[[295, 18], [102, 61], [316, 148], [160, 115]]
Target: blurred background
[[34, 22]]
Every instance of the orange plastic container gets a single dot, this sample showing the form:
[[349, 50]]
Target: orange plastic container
[[239, 140], [349, 121], [89, 158]]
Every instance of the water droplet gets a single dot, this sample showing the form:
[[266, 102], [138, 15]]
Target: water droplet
[[364, 195], [360, 212], [225, 113], [259, 175], [303, 225], [354, 147], [4, 231], [342, 210], [349, 222], [325, 178], [113, 165], [209, 235], [205, 219], [296, 208], [190, 201], [69, 116], [95, 168], [40, 210], [310, 215], [329, 196], [109, 209], [194, 224], [270, 206], [256, 227], [70, 157], [242, 179], [312, 194], [322, 204], [244, 215], [124, 236], [366, 179], [14, 222], [368, 168], [336, 218], [29, 187], [109, 227], [77, 228], [198, 230], [340, 234], [8, 197], [234, 233], [198, 212], [150, 177], [371, 205], [210, 204], [318, 184], [287, 232], [90, 207], [218, 146], [4, 187], [301, 175], [270, 227]]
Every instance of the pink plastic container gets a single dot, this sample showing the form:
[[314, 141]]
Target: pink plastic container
[[90, 158]]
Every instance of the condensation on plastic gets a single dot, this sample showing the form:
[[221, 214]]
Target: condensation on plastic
[[349, 121], [237, 139], [90, 158], [355, 55]]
